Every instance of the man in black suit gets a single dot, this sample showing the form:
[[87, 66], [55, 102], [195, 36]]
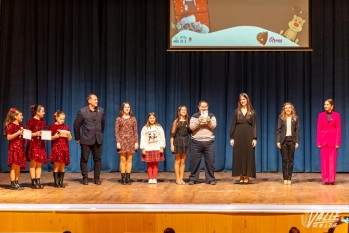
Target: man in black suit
[[88, 131]]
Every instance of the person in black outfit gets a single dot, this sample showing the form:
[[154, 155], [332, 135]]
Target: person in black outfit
[[88, 131], [287, 139], [243, 138]]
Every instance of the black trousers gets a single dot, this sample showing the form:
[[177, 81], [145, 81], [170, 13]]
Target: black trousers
[[97, 161], [202, 149], [287, 154]]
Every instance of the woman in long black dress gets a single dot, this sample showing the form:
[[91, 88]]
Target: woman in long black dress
[[243, 138]]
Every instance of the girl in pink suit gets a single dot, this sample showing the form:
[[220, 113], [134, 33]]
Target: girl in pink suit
[[328, 139]]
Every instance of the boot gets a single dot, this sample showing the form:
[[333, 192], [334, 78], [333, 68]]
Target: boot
[[56, 179], [40, 186], [60, 178], [34, 185], [13, 185], [123, 178], [18, 186], [128, 179]]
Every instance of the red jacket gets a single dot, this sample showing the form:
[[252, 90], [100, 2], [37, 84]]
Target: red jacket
[[328, 132]]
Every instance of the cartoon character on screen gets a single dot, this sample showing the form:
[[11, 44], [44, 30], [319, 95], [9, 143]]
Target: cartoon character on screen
[[295, 25], [189, 23]]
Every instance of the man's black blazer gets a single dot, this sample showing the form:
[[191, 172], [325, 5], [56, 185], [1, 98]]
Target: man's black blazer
[[89, 126]]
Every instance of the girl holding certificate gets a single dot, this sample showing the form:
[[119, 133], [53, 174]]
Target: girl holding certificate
[[60, 155], [36, 150], [16, 154]]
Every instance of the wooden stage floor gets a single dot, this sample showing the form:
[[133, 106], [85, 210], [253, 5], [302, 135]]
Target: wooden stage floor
[[266, 193]]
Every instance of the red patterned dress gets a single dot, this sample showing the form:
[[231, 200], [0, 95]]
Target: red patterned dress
[[126, 133], [16, 151], [36, 149], [60, 146]]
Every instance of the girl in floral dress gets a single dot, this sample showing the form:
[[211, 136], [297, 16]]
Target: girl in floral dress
[[126, 134]]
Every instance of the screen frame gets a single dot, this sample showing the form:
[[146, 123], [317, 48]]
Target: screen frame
[[238, 48]]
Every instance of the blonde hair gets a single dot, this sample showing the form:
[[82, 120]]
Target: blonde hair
[[283, 115], [10, 117]]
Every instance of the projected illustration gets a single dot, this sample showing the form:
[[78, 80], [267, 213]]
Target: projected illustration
[[239, 24]]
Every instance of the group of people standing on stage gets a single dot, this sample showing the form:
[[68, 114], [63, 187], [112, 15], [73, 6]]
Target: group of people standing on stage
[[88, 131], [35, 151]]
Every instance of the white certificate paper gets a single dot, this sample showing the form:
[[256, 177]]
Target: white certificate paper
[[46, 135], [27, 134]]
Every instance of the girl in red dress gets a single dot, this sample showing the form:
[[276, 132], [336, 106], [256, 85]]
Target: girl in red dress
[[152, 144], [16, 152], [126, 134], [59, 155], [36, 150]]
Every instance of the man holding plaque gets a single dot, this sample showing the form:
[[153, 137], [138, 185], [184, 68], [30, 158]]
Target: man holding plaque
[[88, 131], [202, 125]]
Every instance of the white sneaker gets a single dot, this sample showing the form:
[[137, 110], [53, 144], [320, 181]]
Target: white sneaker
[[150, 181], [155, 181]]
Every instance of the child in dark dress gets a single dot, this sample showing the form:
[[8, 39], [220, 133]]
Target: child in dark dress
[[180, 142]]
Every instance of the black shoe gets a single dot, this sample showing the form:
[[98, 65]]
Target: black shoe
[[34, 185], [191, 182], [85, 181], [13, 185], [128, 178], [18, 186], [38, 182], [212, 182], [56, 179], [60, 179], [98, 182], [123, 178]]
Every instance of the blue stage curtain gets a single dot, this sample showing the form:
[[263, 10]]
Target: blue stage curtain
[[55, 52]]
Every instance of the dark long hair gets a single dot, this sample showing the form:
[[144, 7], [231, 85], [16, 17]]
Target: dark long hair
[[179, 114], [249, 106], [35, 108], [121, 112]]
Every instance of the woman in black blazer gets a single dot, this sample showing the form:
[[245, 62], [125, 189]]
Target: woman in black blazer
[[287, 139]]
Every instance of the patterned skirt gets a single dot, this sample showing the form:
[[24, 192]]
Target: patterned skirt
[[153, 156]]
